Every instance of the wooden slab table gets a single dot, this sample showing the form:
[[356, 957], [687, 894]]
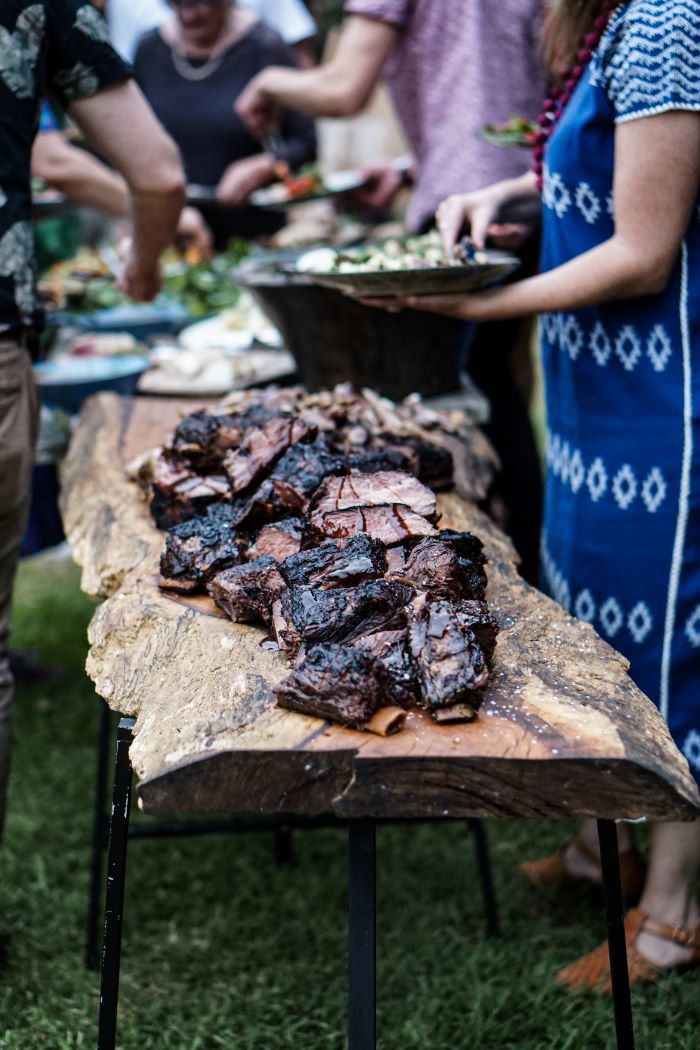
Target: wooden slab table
[[563, 731]]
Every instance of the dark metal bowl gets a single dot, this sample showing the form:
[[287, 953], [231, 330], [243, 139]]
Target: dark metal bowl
[[335, 339]]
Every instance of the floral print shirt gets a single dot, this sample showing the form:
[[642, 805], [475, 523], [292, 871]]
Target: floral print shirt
[[57, 46]]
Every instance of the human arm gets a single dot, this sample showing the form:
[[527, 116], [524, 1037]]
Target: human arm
[[113, 121], [78, 175], [339, 87], [657, 160]]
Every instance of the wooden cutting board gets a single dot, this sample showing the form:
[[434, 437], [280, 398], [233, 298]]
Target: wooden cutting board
[[563, 731]]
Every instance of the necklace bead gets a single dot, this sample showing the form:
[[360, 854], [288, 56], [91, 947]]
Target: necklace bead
[[560, 95]]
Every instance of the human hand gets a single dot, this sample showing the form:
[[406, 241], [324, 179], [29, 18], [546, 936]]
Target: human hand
[[243, 177], [258, 108], [382, 182], [194, 233], [478, 211], [140, 283]]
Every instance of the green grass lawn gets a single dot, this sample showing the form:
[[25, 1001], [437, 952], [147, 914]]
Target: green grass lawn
[[224, 949]]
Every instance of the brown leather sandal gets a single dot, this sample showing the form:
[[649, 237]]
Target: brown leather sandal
[[592, 972], [550, 872]]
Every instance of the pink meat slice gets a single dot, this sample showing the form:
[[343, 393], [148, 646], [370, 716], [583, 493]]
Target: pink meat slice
[[370, 490]]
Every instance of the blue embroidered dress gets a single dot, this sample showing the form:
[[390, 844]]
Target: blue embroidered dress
[[621, 543]]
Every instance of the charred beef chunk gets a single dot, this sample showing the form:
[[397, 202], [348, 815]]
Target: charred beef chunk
[[391, 524], [308, 615], [171, 505], [372, 490], [476, 616], [431, 463], [203, 439], [335, 564], [372, 460], [262, 447], [391, 649], [246, 592], [450, 663], [305, 466], [336, 682], [196, 550], [279, 540], [470, 551], [434, 567]]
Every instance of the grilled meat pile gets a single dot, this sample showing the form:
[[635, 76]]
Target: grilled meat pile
[[306, 515]]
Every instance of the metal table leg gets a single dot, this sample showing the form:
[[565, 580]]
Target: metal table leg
[[483, 861], [100, 835], [114, 898], [610, 863], [362, 931], [284, 845]]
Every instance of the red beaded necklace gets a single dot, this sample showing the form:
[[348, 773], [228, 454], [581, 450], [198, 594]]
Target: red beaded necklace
[[560, 95]]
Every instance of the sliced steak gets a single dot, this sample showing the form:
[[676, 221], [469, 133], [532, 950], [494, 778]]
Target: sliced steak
[[189, 497], [450, 663], [395, 558], [197, 550], [203, 439], [336, 564], [434, 567], [247, 592], [262, 447], [372, 490], [280, 540], [391, 649], [391, 524], [432, 464], [308, 615], [336, 682]]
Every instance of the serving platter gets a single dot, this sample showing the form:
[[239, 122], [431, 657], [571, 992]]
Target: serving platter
[[485, 268]]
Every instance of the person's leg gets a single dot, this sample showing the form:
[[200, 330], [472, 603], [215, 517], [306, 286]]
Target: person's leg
[[18, 431], [670, 891]]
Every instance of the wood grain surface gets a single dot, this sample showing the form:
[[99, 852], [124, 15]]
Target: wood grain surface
[[563, 730]]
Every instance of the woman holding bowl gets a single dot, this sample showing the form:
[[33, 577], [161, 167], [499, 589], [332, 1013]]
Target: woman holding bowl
[[617, 167]]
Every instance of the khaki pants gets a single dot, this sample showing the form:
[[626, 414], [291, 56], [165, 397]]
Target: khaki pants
[[19, 418]]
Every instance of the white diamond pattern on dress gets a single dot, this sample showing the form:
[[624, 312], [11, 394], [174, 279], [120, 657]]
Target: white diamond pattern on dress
[[571, 336], [588, 203], [577, 471], [600, 344], [624, 486], [550, 326], [559, 196], [691, 748], [628, 348], [659, 347], [611, 617], [585, 607], [597, 480], [639, 622], [557, 583], [654, 490], [692, 627]]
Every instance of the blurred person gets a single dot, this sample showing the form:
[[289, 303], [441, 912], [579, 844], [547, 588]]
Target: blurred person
[[61, 46], [130, 19], [451, 66], [191, 69], [88, 182]]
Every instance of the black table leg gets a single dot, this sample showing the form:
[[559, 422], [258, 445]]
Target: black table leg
[[362, 931], [100, 835], [610, 862], [114, 899], [483, 863], [284, 845]]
